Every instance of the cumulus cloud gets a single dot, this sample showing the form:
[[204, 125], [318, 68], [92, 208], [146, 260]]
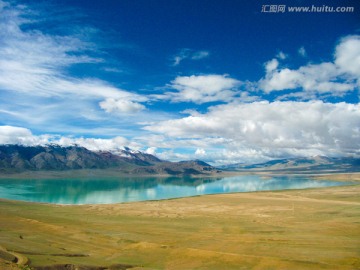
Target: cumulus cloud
[[203, 88], [111, 105], [151, 151], [20, 135], [347, 56], [200, 152], [273, 129], [189, 54], [271, 65], [24, 136], [336, 77], [319, 78]]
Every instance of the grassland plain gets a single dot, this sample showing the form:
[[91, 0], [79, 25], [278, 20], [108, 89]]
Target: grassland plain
[[298, 229]]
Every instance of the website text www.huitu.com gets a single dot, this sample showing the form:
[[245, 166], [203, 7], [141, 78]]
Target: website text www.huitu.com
[[306, 9]]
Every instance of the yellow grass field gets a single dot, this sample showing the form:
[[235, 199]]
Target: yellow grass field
[[299, 229]]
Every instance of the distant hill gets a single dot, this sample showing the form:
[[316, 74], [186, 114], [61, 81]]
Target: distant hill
[[17, 158], [310, 164], [174, 168]]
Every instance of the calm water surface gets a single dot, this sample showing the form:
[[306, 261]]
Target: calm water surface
[[103, 191]]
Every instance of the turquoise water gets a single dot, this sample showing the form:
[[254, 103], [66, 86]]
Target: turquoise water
[[104, 191]]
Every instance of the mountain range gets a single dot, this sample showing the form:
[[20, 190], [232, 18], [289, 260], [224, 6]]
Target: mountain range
[[18, 158], [309, 164]]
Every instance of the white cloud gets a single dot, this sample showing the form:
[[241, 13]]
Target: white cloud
[[302, 51], [111, 105], [271, 65], [347, 56], [163, 142], [276, 80], [177, 60], [96, 144], [200, 55], [203, 88], [263, 130], [281, 56], [151, 151], [336, 77], [20, 135], [200, 152], [112, 69], [189, 54], [34, 63], [174, 156], [24, 136]]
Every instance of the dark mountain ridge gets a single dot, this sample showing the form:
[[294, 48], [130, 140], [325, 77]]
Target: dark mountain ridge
[[17, 158]]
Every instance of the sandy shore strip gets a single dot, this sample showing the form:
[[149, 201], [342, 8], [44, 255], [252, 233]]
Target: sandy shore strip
[[347, 177]]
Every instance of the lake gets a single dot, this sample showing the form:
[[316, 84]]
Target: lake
[[105, 191]]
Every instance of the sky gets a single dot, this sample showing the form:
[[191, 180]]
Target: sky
[[226, 81]]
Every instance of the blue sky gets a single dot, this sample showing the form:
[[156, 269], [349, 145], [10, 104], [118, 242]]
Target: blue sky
[[220, 81]]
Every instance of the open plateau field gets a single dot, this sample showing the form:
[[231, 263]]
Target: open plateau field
[[294, 229]]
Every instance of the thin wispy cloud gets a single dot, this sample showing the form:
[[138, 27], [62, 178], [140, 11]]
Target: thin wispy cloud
[[35, 63], [190, 55], [281, 55], [302, 51]]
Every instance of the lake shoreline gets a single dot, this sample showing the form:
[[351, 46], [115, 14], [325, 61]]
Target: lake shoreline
[[108, 173], [95, 173], [75, 190]]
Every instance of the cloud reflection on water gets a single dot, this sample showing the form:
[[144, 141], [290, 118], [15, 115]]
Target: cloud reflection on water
[[105, 191]]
